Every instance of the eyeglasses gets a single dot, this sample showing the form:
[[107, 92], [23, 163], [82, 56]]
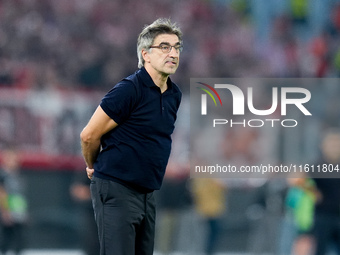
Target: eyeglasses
[[166, 48]]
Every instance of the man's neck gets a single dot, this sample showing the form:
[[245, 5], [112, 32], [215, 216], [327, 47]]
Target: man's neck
[[159, 79]]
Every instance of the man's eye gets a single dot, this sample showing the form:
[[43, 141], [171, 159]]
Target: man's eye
[[165, 47]]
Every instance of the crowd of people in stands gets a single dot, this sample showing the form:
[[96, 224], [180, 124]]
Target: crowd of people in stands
[[92, 44]]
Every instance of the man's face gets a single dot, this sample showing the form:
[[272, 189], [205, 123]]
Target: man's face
[[165, 63], [331, 147]]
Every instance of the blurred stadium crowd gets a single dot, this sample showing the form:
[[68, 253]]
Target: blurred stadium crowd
[[92, 44], [58, 57]]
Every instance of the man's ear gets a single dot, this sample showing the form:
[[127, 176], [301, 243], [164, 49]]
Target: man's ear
[[145, 55]]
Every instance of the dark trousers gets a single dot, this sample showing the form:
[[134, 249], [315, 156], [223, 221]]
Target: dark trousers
[[125, 218], [327, 233], [12, 237], [213, 234]]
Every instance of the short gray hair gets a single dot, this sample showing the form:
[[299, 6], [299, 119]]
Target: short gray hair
[[150, 32]]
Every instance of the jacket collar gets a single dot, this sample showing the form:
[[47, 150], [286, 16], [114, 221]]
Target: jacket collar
[[147, 80]]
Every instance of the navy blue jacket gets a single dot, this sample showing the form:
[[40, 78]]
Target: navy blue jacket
[[136, 152]]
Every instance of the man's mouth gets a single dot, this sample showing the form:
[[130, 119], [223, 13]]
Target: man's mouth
[[171, 62]]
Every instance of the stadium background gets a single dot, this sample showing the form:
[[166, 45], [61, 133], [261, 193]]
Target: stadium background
[[58, 58]]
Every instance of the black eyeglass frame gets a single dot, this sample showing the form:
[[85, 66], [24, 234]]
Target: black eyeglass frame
[[166, 47]]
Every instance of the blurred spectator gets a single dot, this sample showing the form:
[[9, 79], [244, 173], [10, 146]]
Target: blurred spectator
[[13, 205], [320, 49], [298, 221], [80, 192], [337, 61], [327, 210], [6, 77], [210, 203], [172, 199], [299, 10], [334, 24]]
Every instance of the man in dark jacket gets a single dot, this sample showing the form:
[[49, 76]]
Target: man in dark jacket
[[327, 209], [127, 143]]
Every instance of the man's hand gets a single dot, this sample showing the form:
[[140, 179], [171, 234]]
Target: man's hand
[[89, 172], [99, 124]]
